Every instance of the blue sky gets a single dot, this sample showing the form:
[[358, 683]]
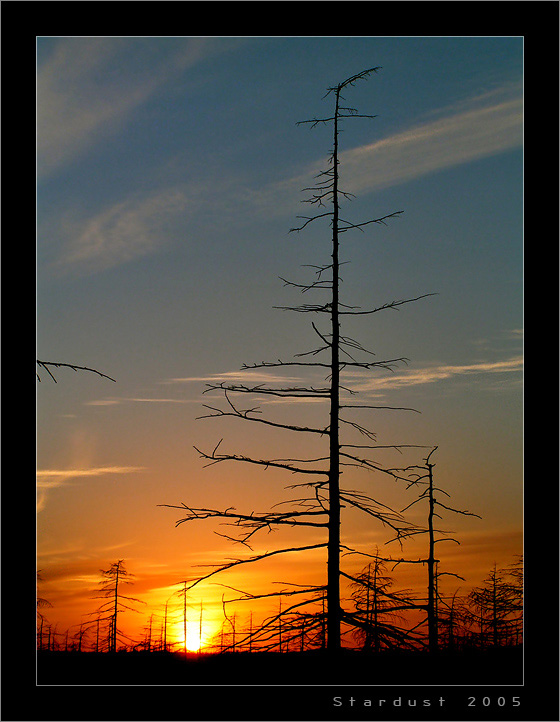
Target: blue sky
[[169, 173]]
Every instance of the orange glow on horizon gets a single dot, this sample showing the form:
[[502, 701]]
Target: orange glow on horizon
[[68, 587], [197, 639]]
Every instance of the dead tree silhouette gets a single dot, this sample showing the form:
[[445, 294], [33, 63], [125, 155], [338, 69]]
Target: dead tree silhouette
[[47, 365], [41, 619], [429, 493], [321, 509], [112, 579], [497, 606], [379, 609]]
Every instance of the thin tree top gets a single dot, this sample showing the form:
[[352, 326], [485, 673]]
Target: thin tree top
[[342, 112], [353, 79]]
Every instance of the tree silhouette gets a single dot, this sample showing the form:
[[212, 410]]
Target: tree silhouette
[[165, 644], [112, 579], [41, 619], [183, 593], [378, 608], [80, 635], [515, 583], [451, 620], [497, 606], [429, 493], [336, 353]]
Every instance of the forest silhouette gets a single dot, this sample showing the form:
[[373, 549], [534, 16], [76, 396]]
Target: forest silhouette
[[479, 641]]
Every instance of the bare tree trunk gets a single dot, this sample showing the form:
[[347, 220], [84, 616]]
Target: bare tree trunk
[[114, 630], [200, 630], [333, 562], [432, 618], [165, 629], [251, 633], [376, 642], [280, 626]]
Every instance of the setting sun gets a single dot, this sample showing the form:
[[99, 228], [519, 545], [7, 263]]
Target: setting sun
[[195, 640]]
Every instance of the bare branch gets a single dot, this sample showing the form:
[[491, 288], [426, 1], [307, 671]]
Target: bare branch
[[261, 520], [385, 306], [307, 308], [269, 364], [217, 458], [389, 408], [309, 220], [247, 596], [380, 221], [272, 620], [362, 429], [256, 558], [290, 392], [411, 605], [457, 511], [46, 364], [245, 416], [381, 446], [320, 285]]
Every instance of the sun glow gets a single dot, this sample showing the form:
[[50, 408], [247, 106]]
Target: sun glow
[[196, 641]]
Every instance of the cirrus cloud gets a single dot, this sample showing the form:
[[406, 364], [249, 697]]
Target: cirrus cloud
[[49, 479], [433, 374], [87, 89]]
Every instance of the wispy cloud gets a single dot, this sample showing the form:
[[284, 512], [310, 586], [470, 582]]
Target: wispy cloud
[[143, 223], [46, 477], [136, 225], [129, 229], [356, 380], [248, 378], [137, 400], [426, 375], [508, 338], [88, 87], [240, 377], [434, 374], [434, 146], [49, 479]]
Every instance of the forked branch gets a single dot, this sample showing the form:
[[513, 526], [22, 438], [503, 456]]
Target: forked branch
[[47, 364]]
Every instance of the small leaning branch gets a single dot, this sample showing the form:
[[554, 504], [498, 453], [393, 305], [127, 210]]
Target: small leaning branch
[[47, 365]]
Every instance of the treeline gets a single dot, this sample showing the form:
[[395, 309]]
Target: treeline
[[380, 617]]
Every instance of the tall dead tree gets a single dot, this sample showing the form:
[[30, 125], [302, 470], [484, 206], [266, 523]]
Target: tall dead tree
[[335, 353], [183, 593], [425, 478]]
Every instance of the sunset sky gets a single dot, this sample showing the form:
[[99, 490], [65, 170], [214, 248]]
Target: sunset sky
[[169, 173]]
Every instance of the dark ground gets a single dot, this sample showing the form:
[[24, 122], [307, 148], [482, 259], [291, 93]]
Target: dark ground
[[472, 685], [500, 666]]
